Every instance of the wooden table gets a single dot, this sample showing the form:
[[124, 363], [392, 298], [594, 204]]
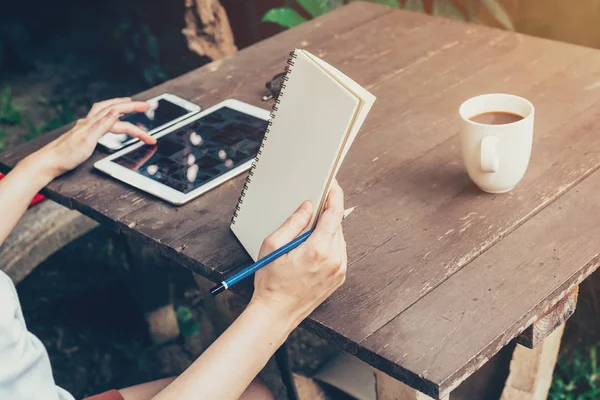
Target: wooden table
[[441, 276]]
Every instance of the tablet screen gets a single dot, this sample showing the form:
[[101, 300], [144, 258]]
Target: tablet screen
[[200, 151]]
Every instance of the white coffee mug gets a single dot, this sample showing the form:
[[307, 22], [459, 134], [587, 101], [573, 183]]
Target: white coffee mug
[[496, 156]]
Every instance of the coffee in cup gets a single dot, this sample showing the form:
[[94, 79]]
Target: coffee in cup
[[496, 139]]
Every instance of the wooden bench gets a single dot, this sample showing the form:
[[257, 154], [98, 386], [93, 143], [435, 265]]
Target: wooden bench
[[48, 227], [44, 229]]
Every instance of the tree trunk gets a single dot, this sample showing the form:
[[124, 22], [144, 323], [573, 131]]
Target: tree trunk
[[207, 29]]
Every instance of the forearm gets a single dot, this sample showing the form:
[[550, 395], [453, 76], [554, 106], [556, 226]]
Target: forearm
[[63, 154], [226, 369], [17, 189]]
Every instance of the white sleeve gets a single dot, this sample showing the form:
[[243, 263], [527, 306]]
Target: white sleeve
[[25, 371]]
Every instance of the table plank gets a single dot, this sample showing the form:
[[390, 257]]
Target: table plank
[[359, 172], [441, 226], [420, 223], [152, 222], [241, 77], [105, 199], [494, 298], [419, 131], [156, 225]]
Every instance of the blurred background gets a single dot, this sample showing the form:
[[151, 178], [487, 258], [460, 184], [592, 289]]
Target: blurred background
[[57, 57]]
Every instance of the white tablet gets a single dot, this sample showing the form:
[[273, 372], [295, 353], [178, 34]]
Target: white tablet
[[193, 156], [165, 110]]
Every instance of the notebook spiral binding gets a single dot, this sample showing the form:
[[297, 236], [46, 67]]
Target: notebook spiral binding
[[272, 114]]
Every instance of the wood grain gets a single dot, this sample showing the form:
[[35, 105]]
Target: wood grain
[[207, 29], [423, 237], [196, 247], [388, 388], [494, 298], [443, 225], [554, 318], [43, 230], [242, 78], [149, 220], [531, 370], [215, 82]]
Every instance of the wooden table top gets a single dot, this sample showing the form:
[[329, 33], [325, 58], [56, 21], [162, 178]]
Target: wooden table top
[[441, 276]]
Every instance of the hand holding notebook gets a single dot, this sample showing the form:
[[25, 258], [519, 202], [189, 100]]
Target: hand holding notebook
[[313, 124]]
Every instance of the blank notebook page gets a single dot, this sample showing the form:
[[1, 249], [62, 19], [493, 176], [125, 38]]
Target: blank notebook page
[[302, 149]]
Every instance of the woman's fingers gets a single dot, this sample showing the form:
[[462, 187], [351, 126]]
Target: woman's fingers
[[119, 108], [330, 199], [83, 125], [133, 131], [102, 125], [122, 106], [330, 220], [337, 246], [130, 107], [343, 249], [97, 107]]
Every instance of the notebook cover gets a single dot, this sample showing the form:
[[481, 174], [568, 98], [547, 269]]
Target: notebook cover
[[313, 119]]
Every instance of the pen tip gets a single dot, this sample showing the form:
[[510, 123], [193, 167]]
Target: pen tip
[[349, 211], [217, 289]]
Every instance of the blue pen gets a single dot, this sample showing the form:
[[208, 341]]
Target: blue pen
[[269, 258]]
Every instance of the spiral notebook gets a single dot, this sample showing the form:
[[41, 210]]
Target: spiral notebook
[[314, 121]]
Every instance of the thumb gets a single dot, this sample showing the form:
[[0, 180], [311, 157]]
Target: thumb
[[292, 227]]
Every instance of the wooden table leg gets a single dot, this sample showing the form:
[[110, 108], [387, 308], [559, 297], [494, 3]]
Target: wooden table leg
[[531, 370], [388, 388], [550, 321], [149, 283]]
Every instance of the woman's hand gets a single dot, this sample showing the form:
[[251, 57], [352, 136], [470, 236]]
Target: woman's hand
[[298, 282], [285, 292], [78, 144]]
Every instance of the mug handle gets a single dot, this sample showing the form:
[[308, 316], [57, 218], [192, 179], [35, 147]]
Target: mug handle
[[489, 161]]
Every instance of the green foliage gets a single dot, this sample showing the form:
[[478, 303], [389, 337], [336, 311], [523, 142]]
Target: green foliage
[[320, 7], [283, 16], [138, 353], [10, 113], [16, 115], [577, 378], [140, 49], [3, 135], [186, 321], [288, 17], [390, 3], [314, 7], [62, 114], [414, 5], [445, 8], [499, 13]]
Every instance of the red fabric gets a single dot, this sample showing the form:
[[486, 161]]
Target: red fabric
[[110, 395], [37, 198]]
